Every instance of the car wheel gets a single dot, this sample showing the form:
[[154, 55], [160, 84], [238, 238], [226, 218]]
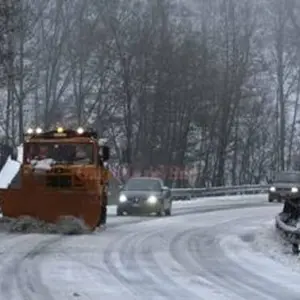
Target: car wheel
[[168, 211], [271, 200], [160, 212], [119, 212]]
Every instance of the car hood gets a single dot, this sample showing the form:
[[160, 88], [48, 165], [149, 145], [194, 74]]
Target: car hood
[[140, 193]]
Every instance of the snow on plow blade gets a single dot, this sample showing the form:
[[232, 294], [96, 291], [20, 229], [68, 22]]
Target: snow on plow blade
[[50, 205]]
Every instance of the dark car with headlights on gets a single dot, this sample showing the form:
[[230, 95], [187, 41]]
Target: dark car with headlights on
[[285, 185], [144, 195]]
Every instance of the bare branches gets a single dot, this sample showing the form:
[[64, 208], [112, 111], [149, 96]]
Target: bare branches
[[169, 84]]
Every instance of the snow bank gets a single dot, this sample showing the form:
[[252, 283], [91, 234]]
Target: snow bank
[[8, 172], [269, 242], [66, 225], [221, 199]]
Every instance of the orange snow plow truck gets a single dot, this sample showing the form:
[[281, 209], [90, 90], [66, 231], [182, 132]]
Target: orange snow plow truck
[[63, 173]]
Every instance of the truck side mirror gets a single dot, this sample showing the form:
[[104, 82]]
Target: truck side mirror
[[104, 153]]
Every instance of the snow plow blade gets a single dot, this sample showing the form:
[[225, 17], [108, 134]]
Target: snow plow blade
[[51, 206]]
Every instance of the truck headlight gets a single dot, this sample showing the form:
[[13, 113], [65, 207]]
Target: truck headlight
[[294, 189], [30, 131], [122, 198], [152, 199], [272, 189], [80, 130]]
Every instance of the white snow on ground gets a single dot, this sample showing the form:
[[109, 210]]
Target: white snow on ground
[[8, 172], [222, 199], [199, 256], [66, 225], [247, 270], [268, 241], [203, 255]]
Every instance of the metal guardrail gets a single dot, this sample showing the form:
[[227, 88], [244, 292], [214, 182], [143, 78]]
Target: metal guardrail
[[189, 193]]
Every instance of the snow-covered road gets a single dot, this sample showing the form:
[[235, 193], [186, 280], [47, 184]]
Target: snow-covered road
[[203, 251]]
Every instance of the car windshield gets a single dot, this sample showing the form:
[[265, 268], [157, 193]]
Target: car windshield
[[287, 177], [63, 153], [139, 184]]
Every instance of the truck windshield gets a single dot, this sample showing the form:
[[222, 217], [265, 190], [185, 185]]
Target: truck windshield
[[63, 153]]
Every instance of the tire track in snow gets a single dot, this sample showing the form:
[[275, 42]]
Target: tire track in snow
[[135, 267], [138, 257], [19, 268], [129, 260], [205, 250]]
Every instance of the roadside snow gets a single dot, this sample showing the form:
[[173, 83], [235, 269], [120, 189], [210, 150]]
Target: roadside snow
[[221, 199], [66, 225], [269, 242]]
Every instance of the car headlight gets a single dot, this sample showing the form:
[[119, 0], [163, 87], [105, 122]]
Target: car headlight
[[152, 199], [272, 189], [294, 189], [122, 198]]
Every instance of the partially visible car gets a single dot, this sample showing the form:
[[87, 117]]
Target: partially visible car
[[284, 185], [144, 195]]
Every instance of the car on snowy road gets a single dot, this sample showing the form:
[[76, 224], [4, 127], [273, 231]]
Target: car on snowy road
[[144, 195], [285, 185]]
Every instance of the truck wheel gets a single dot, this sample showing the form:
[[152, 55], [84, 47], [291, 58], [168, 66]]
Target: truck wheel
[[103, 215], [168, 211], [161, 211], [103, 209]]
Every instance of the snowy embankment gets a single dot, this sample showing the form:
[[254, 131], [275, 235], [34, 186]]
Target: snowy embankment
[[270, 243], [206, 255], [263, 239]]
